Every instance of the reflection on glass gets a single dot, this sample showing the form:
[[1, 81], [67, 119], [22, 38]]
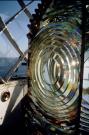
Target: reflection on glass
[[84, 121], [54, 67], [54, 73], [85, 97]]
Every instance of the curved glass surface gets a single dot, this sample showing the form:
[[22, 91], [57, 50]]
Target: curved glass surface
[[84, 119], [54, 71]]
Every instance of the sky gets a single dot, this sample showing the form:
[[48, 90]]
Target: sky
[[18, 28]]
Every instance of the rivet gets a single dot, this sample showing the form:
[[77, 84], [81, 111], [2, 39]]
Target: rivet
[[5, 96]]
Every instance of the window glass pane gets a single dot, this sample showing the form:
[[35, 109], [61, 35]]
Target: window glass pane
[[8, 9], [8, 55], [18, 28]]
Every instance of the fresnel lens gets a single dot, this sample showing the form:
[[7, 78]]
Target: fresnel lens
[[54, 66]]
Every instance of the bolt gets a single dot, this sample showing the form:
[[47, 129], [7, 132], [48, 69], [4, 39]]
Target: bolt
[[5, 96]]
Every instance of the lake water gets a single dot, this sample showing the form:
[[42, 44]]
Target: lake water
[[7, 63]]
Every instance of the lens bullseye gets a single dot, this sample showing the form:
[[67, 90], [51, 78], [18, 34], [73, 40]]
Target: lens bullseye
[[54, 71]]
